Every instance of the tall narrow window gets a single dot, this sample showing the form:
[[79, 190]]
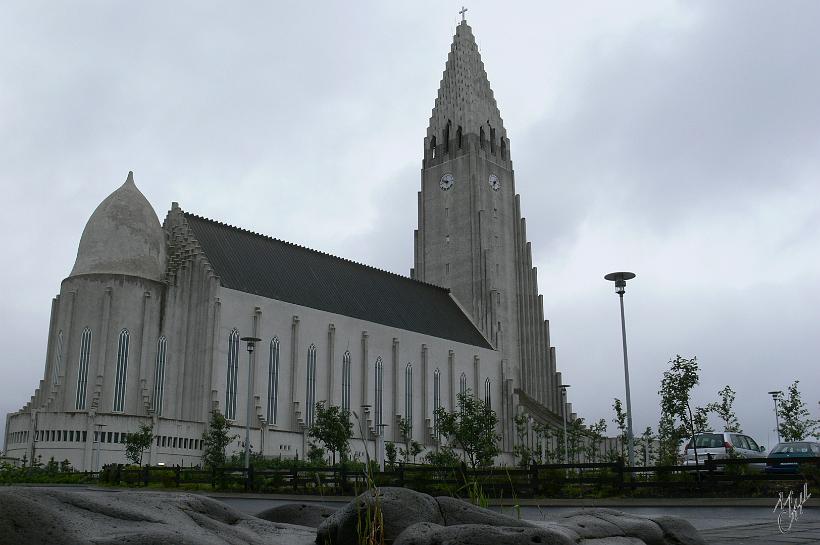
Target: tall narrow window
[[346, 381], [481, 137], [408, 396], [310, 390], [122, 372], [379, 387], [433, 147], [436, 397], [58, 357], [159, 375], [82, 372], [462, 384], [233, 371], [503, 149], [488, 393], [458, 137], [492, 140], [273, 380], [447, 137]]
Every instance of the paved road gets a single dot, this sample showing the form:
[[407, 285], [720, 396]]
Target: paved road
[[718, 525]]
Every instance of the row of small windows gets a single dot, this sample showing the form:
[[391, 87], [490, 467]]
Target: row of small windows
[[459, 141], [178, 442], [71, 436], [18, 437]]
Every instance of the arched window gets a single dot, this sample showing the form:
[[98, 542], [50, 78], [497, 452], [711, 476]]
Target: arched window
[[379, 394], [346, 381], [462, 384], [458, 137], [436, 397], [408, 397], [488, 393], [273, 380], [432, 147], [481, 137], [310, 390], [447, 137], [122, 372], [58, 357], [233, 372], [492, 140], [82, 372], [159, 376]]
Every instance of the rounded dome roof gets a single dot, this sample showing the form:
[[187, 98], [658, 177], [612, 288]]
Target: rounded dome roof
[[123, 236]]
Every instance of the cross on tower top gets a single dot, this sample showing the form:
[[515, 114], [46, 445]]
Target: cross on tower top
[[462, 12]]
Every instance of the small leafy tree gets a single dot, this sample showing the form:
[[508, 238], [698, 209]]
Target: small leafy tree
[[415, 449], [391, 452], [137, 443], [444, 456], [595, 434], [522, 449], [472, 428], [333, 428], [676, 392], [216, 439], [795, 420], [406, 431], [620, 422], [646, 444], [723, 409]]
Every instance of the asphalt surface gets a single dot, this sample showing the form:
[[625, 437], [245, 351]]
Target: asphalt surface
[[754, 525]]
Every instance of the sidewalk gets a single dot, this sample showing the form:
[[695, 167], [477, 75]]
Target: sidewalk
[[764, 534], [525, 502]]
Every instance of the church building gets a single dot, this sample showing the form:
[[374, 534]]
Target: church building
[[147, 327]]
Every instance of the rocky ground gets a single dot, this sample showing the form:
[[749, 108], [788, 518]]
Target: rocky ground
[[41, 515]]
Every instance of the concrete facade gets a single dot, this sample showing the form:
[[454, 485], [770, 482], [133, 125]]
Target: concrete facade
[[144, 331]]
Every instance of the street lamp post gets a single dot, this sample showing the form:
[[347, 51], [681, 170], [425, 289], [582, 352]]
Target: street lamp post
[[620, 279], [99, 444], [380, 445], [251, 342], [564, 412], [775, 396]]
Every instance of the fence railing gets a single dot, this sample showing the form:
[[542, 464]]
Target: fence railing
[[740, 476]]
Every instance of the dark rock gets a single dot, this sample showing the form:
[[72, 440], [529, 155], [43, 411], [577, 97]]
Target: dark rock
[[398, 508], [301, 514], [71, 516], [481, 534], [677, 531], [457, 511]]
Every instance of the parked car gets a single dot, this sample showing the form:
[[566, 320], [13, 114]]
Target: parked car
[[792, 449], [722, 445]]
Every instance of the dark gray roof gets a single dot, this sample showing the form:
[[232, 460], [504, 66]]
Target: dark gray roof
[[272, 268]]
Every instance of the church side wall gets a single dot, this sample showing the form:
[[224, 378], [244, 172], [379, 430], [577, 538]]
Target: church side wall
[[297, 328]]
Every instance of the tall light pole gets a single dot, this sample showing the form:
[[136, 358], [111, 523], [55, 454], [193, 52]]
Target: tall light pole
[[775, 396], [564, 412], [99, 444], [620, 279], [251, 341]]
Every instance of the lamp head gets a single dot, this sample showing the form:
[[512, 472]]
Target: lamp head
[[620, 279], [251, 342]]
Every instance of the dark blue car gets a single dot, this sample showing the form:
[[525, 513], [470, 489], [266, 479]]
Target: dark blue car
[[792, 449]]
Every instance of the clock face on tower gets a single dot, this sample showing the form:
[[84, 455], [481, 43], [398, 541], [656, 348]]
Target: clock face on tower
[[495, 183], [446, 182]]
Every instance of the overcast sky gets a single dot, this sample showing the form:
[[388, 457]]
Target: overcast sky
[[679, 140]]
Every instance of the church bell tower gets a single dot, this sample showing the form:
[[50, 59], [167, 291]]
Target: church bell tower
[[471, 237]]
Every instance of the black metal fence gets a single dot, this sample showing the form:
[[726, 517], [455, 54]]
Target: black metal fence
[[732, 477]]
